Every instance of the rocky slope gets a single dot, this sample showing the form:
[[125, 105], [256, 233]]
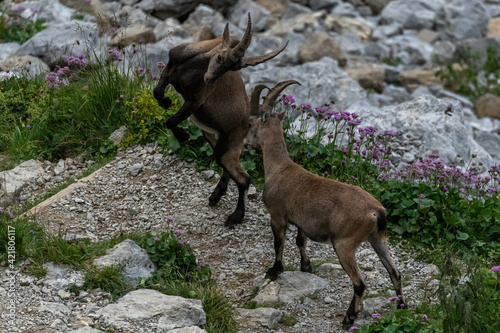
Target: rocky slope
[[143, 191]]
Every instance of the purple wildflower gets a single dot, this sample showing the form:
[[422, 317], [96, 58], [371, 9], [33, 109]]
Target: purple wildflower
[[178, 232], [445, 189], [156, 239], [495, 268], [353, 328], [421, 196], [180, 242], [160, 64], [343, 162], [202, 263], [425, 318], [376, 315], [326, 173], [170, 218], [77, 62], [115, 54], [28, 126]]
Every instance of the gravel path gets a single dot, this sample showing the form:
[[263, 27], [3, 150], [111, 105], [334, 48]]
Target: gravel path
[[142, 191]]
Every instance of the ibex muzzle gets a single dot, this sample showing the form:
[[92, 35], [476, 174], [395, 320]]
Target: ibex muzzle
[[206, 75]]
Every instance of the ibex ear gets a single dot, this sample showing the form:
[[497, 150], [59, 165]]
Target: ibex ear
[[281, 116], [225, 37], [265, 117]]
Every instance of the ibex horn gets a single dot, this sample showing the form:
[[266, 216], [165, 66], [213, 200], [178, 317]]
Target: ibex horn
[[225, 36], [252, 61], [255, 99], [237, 52], [273, 93]]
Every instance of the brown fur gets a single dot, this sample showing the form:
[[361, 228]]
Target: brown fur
[[324, 210], [206, 75]]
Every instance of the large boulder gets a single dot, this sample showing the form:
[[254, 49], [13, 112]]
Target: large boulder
[[322, 82], [320, 45], [151, 311], [289, 287], [438, 124], [24, 64], [415, 14], [163, 9], [488, 106], [12, 182], [240, 11], [51, 46], [6, 49], [49, 10], [465, 19]]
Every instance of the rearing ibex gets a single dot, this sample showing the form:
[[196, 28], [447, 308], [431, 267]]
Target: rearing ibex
[[322, 209], [206, 75]]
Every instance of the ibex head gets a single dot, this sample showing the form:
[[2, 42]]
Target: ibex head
[[261, 113], [226, 58]]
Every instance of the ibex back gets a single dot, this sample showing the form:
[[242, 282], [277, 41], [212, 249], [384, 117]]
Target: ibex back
[[206, 75]]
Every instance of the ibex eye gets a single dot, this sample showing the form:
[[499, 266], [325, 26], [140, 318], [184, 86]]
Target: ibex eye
[[219, 58]]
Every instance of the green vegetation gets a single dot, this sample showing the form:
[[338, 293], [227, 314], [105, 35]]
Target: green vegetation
[[15, 28], [473, 78]]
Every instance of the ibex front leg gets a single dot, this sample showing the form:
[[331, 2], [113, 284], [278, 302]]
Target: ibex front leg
[[184, 112]]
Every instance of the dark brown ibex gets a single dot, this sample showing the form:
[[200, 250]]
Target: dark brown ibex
[[206, 75], [323, 209]]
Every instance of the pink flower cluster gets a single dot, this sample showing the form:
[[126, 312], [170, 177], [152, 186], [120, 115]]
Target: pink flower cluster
[[54, 79], [77, 62]]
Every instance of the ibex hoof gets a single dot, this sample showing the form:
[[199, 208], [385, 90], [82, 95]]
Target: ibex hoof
[[347, 322], [181, 135], [165, 102], [234, 219]]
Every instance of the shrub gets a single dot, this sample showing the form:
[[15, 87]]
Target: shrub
[[15, 28]]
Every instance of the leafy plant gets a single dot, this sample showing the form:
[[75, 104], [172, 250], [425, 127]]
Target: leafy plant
[[16, 28], [401, 320]]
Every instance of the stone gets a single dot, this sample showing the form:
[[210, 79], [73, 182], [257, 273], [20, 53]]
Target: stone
[[377, 50], [63, 294], [376, 5], [54, 308], [49, 10], [239, 12], [419, 76], [397, 94], [24, 64], [153, 311], [428, 36], [6, 49], [465, 19], [323, 4], [477, 46], [410, 49], [493, 28], [191, 329], [60, 277], [345, 9], [301, 24], [133, 260], [488, 106], [86, 329], [438, 122], [324, 77], [293, 10], [489, 141], [430, 270], [374, 305], [135, 169], [320, 45], [289, 287], [329, 270], [207, 16], [420, 91], [381, 32], [60, 167], [118, 135], [133, 34], [417, 14], [259, 317], [466, 102], [12, 182], [169, 27], [346, 25], [444, 51], [52, 46], [163, 9], [369, 77]]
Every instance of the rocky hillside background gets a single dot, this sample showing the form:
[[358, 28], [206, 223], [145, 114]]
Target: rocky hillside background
[[368, 56]]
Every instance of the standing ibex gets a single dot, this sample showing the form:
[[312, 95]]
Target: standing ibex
[[206, 75], [323, 209]]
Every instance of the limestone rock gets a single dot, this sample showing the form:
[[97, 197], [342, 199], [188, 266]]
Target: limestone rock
[[346, 25], [374, 305], [376, 5], [419, 76], [118, 135], [328, 270], [163, 9], [133, 259], [489, 141], [258, 13], [153, 311], [13, 181], [290, 287], [60, 277], [23, 64], [133, 34], [493, 28], [488, 106], [259, 317], [428, 36], [369, 77], [320, 45]]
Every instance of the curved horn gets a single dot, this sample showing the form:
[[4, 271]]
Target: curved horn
[[273, 93], [237, 52], [252, 61], [255, 99]]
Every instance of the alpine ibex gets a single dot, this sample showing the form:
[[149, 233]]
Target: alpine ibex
[[206, 75], [322, 209]]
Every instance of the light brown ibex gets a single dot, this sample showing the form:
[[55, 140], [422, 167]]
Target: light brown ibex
[[206, 75], [322, 209]]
